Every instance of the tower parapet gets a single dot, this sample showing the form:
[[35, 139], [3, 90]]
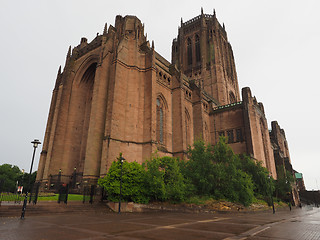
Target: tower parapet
[[202, 52]]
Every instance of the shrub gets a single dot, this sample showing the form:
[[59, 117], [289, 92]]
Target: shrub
[[164, 180], [133, 187]]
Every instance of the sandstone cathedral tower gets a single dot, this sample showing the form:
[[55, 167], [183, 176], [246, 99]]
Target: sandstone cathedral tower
[[117, 94]]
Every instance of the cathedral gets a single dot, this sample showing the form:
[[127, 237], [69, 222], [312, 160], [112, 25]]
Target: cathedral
[[118, 94]]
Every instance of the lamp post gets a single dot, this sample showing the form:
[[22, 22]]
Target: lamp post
[[74, 177], [59, 180], [273, 210], [35, 143], [121, 161]]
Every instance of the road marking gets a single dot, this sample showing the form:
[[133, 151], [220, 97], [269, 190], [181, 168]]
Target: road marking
[[212, 220], [190, 223], [260, 231], [249, 233]]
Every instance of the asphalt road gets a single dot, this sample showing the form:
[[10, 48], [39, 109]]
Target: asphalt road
[[297, 224]]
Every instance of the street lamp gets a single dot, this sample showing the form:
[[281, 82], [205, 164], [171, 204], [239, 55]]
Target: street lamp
[[273, 210], [121, 161], [59, 180], [74, 177], [35, 143]]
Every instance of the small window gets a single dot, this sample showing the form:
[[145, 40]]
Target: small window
[[239, 137], [230, 136], [221, 134]]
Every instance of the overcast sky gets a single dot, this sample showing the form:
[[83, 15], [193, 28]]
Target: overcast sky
[[276, 46]]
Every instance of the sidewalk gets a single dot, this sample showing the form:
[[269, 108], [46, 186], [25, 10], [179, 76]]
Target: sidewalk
[[150, 225]]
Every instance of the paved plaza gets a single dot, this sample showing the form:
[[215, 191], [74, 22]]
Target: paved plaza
[[297, 224]]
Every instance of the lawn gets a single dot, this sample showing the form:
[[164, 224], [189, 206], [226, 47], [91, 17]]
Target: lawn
[[10, 197]]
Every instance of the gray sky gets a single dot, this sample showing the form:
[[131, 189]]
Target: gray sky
[[275, 43]]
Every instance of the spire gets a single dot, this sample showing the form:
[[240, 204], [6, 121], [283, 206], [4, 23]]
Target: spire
[[214, 12], [201, 10], [224, 27], [59, 71], [68, 56], [69, 52], [181, 21], [105, 30], [152, 45]]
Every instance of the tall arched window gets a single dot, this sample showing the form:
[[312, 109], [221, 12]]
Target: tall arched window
[[160, 121], [79, 116], [197, 46], [189, 51], [187, 127]]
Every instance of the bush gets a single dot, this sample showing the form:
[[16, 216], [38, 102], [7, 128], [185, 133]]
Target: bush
[[259, 174], [210, 172], [133, 187], [214, 172], [199, 170], [164, 180], [9, 175]]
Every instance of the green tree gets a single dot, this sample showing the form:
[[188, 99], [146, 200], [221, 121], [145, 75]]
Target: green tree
[[133, 188], [214, 172], [231, 182], [259, 174], [164, 180], [9, 175], [283, 185], [24, 180], [199, 169]]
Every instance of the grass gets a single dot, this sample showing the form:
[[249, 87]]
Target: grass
[[10, 197], [71, 197]]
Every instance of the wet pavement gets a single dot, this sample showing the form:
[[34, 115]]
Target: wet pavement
[[297, 224]]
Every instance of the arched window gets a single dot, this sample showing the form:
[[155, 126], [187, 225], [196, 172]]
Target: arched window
[[189, 51], [232, 98], [197, 47], [187, 127], [160, 121]]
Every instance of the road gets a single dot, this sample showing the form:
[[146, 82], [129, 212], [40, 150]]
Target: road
[[297, 224]]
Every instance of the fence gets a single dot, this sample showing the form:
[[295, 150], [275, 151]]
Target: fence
[[63, 193], [73, 181], [9, 196], [34, 193], [89, 193]]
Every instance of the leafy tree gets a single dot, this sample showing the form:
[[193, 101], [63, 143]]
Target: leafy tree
[[231, 182], [9, 175], [214, 172], [133, 188], [24, 180], [259, 174], [164, 180], [199, 169], [283, 185]]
